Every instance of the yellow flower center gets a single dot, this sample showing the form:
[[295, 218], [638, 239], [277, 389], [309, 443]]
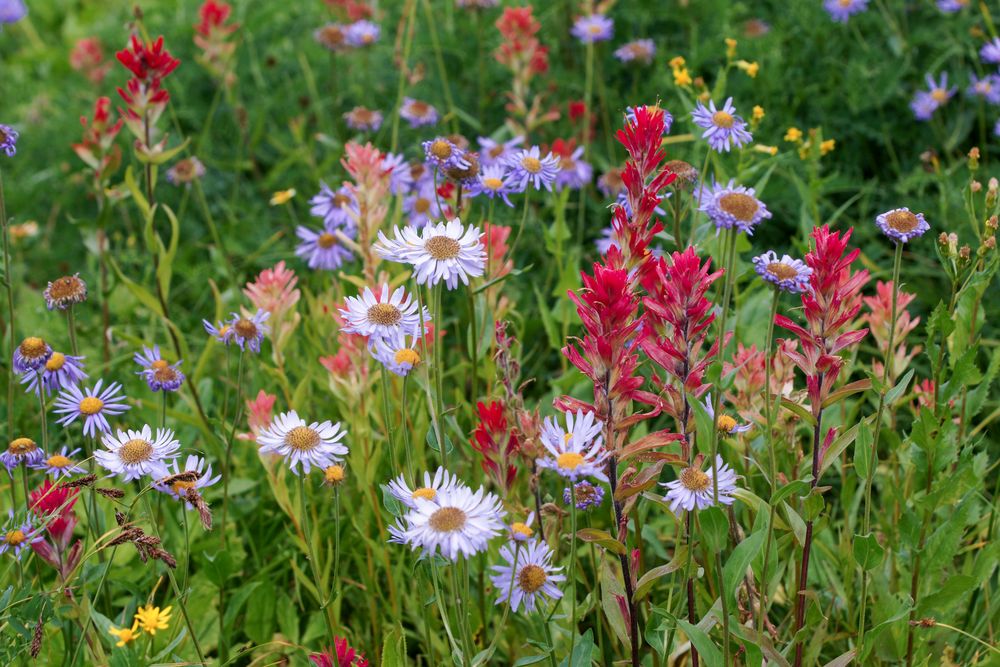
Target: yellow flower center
[[725, 423], [531, 578], [181, 487], [91, 405], [407, 356], [326, 240], [442, 247], [940, 95], [334, 474], [67, 287], [58, 461], [384, 314], [781, 271], [245, 328], [21, 446], [15, 537], [739, 205], [55, 362], [522, 529], [302, 438], [136, 450], [694, 479], [441, 149], [902, 221], [493, 183], [158, 364], [422, 205], [165, 374], [594, 29], [340, 200], [447, 520], [426, 492], [569, 460], [531, 164], [722, 119], [32, 347]]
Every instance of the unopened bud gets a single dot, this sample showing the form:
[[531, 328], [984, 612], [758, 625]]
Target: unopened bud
[[964, 253], [975, 186], [974, 158]]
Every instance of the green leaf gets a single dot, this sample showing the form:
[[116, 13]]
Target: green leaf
[[736, 567], [893, 394], [530, 660], [863, 451], [394, 648], [944, 597], [709, 652], [868, 553], [645, 583], [714, 528], [799, 487], [843, 660], [813, 505], [602, 538], [800, 410]]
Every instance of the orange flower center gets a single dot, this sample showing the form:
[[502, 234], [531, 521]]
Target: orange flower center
[[426, 492], [722, 119], [532, 164], [694, 479], [902, 221], [569, 460], [32, 347], [326, 240], [55, 362], [447, 520], [384, 314], [531, 578], [442, 247], [407, 356], [91, 405], [58, 461], [781, 271], [245, 328], [21, 446], [739, 205], [302, 438], [135, 451]]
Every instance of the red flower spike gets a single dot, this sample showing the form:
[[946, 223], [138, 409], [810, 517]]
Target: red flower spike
[[341, 655], [148, 62], [497, 443]]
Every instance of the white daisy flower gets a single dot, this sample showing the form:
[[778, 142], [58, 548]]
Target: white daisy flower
[[398, 356], [724, 423], [442, 481], [445, 251], [132, 454], [530, 576], [178, 489], [311, 445], [693, 488], [383, 317], [576, 451], [458, 522], [522, 531]]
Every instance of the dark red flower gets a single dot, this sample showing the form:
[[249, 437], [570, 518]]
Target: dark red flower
[[577, 109], [341, 655], [148, 62], [497, 443], [212, 17], [54, 506]]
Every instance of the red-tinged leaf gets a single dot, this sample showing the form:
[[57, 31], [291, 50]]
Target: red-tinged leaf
[[786, 323], [847, 390], [651, 441], [848, 339], [602, 538]]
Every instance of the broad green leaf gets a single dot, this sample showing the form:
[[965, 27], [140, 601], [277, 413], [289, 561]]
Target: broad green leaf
[[868, 553], [602, 538], [863, 451], [714, 528], [736, 567], [709, 653], [645, 583], [394, 648]]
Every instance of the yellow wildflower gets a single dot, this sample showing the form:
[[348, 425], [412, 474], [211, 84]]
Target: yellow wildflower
[[750, 68], [282, 197], [682, 77], [827, 146], [125, 635], [730, 47], [758, 113], [793, 135], [763, 148], [152, 619], [677, 62]]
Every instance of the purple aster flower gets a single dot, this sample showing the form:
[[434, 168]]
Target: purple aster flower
[[91, 405], [494, 180], [593, 28], [59, 465], [362, 33], [21, 451], [218, 331], [400, 176], [65, 292], [787, 274], [159, 375], [339, 208], [926, 102], [901, 225], [952, 6], [668, 120], [418, 113], [332, 36], [443, 154], [841, 10], [528, 166], [60, 370], [990, 51], [31, 354], [923, 105], [363, 119], [987, 88], [178, 490], [574, 172], [321, 249], [722, 126], [8, 140], [12, 11], [996, 129], [17, 535], [422, 206], [639, 50], [587, 495], [732, 206], [606, 240], [495, 152], [248, 332], [622, 200]]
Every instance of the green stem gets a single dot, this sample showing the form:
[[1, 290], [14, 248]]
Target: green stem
[[71, 328], [436, 298], [336, 541], [772, 459], [524, 217], [403, 72], [406, 431], [442, 70], [387, 415], [571, 574], [11, 331], [313, 563], [873, 453]]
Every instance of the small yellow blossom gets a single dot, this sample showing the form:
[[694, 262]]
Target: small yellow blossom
[[758, 113], [793, 134], [730, 47], [125, 635], [334, 475], [763, 148], [152, 619], [682, 77], [282, 197], [750, 68], [677, 62], [827, 146]]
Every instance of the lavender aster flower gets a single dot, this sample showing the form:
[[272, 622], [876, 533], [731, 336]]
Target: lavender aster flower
[[926, 102], [443, 154], [418, 113], [574, 173], [724, 423], [248, 332], [422, 206], [362, 33], [12, 11], [952, 6], [8, 140], [495, 152], [134, 454], [178, 490], [990, 52], [339, 208], [694, 489], [397, 355], [302, 443], [65, 292], [218, 331], [526, 574], [587, 495], [529, 167], [787, 274], [593, 28], [841, 10], [901, 225], [722, 126], [332, 36], [31, 354], [731, 206], [21, 451], [400, 176], [159, 375], [640, 50], [18, 534], [60, 370], [494, 180], [996, 129], [59, 465], [321, 249], [91, 405], [923, 105], [363, 119], [987, 88]]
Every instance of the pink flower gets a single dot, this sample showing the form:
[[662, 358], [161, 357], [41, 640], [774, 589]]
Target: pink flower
[[260, 410], [878, 320], [274, 290]]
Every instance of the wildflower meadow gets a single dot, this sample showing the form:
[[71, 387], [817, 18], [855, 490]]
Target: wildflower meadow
[[499, 332]]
